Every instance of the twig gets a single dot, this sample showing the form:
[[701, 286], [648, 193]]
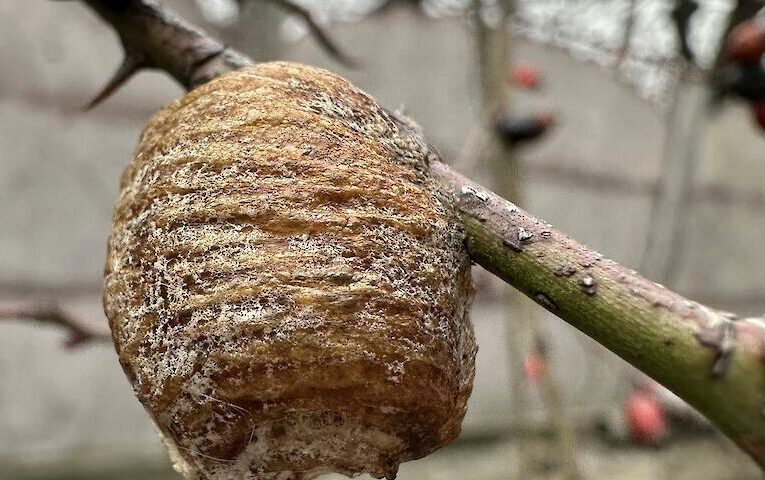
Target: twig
[[712, 362], [681, 17], [321, 36], [500, 160], [77, 335]]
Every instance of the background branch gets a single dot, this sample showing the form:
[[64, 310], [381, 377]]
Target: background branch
[[321, 36], [52, 314], [711, 361], [706, 358]]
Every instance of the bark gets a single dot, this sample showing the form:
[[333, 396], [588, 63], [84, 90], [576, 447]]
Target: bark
[[704, 356]]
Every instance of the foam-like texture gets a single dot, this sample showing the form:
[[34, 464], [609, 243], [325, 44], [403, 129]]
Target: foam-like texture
[[286, 287]]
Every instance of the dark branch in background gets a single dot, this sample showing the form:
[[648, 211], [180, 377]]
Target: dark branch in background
[[51, 314], [681, 16], [390, 5], [518, 129], [713, 362], [322, 37], [153, 37]]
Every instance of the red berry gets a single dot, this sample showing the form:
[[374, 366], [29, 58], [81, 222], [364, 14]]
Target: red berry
[[645, 418], [533, 367], [746, 42], [525, 75]]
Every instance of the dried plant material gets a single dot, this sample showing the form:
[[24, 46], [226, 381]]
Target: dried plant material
[[287, 287]]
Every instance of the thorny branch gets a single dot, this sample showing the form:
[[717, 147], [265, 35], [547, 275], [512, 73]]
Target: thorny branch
[[153, 37], [77, 334], [713, 362]]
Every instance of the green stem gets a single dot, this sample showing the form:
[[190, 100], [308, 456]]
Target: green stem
[[712, 362]]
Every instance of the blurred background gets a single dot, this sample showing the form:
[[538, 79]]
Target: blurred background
[[600, 116]]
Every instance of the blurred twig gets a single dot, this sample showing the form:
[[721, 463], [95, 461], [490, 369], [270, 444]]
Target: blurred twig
[[52, 314], [681, 17], [322, 37], [684, 131], [709, 360], [552, 396]]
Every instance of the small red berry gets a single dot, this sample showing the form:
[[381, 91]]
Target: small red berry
[[645, 418], [525, 75], [533, 367]]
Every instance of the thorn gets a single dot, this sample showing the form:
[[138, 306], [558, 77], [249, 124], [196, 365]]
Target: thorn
[[325, 41], [130, 65]]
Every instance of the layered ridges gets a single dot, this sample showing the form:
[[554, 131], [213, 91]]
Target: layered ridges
[[279, 253]]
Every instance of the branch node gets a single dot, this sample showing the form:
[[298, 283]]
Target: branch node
[[468, 190], [564, 271], [322, 37], [721, 338], [512, 243]]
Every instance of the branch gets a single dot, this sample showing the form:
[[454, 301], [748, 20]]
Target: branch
[[153, 37], [78, 335], [706, 358], [711, 361], [681, 16], [325, 41]]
